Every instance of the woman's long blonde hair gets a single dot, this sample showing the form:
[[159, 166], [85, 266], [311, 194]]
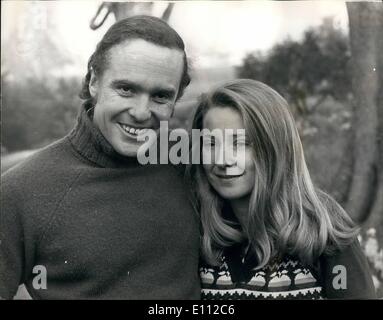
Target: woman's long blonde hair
[[286, 215]]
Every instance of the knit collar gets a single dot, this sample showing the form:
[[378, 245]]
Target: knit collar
[[89, 142]]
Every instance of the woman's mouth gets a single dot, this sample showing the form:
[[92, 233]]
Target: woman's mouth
[[228, 177]]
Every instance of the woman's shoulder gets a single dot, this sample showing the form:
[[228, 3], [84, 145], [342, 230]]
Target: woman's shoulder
[[346, 273]]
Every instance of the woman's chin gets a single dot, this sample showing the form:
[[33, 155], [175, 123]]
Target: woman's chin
[[231, 193]]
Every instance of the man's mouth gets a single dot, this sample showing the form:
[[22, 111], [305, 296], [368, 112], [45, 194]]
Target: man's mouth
[[133, 131]]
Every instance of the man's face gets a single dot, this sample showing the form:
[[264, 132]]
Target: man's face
[[136, 91]]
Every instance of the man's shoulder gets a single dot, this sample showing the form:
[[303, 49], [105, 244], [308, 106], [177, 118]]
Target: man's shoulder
[[39, 168], [37, 156]]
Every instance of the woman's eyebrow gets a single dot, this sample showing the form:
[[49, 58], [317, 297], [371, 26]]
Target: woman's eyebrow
[[234, 133], [208, 135]]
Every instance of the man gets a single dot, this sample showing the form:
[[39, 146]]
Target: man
[[82, 218]]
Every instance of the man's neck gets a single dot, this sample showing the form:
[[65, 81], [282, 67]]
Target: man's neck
[[89, 142]]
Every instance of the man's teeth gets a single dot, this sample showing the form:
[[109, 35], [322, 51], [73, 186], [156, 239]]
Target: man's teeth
[[133, 130]]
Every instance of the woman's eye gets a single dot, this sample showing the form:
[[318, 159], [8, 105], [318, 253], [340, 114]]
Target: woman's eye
[[208, 142], [241, 142]]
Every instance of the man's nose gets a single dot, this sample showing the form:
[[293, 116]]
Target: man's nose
[[141, 110]]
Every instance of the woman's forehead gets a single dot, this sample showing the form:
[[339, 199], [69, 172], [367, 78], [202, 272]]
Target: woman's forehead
[[218, 117]]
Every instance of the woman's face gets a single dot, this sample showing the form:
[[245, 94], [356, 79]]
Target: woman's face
[[231, 176]]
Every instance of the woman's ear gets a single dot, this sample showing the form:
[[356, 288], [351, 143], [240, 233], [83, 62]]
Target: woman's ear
[[93, 85]]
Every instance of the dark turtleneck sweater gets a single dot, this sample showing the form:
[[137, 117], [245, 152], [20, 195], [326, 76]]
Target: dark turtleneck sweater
[[103, 226]]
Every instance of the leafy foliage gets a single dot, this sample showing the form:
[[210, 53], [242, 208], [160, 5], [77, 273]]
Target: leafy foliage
[[307, 71], [37, 112]]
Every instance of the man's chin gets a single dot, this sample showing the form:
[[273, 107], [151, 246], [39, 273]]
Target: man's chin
[[127, 152]]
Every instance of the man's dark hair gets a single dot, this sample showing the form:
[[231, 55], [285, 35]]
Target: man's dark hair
[[147, 28]]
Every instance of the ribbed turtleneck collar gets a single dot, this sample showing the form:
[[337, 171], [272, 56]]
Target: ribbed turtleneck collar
[[89, 142]]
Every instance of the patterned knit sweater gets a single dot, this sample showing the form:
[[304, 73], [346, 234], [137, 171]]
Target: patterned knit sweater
[[287, 278], [102, 225]]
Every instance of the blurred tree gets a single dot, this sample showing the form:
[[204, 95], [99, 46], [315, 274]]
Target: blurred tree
[[125, 9], [33, 48], [306, 72], [35, 122], [39, 96]]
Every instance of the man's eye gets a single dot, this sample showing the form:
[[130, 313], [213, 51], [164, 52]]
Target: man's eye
[[125, 91], [161, 98]]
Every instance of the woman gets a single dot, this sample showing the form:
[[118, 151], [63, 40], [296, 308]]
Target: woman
[[267, 232]]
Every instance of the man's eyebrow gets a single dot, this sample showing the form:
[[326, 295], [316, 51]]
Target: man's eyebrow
[[170, 91], [118, 83]]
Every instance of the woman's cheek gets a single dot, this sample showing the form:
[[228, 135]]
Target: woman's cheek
[[241, 160]]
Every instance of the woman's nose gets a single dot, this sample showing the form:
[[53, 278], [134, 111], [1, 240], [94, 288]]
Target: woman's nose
[[225, 157]]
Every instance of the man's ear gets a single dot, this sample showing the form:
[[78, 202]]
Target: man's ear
[[93, 85]]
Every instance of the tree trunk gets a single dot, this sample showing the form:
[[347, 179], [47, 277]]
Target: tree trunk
[[365, 199], [375, 219], [363, 20]]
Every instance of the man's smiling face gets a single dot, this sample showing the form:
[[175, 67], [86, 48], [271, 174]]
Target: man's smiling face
[[136, 91]]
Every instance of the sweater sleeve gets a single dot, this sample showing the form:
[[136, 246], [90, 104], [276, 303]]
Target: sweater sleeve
[[11, 243], [346, 275]]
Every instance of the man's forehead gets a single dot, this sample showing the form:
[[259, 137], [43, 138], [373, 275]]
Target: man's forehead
[[139, 49], [140, 59]]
